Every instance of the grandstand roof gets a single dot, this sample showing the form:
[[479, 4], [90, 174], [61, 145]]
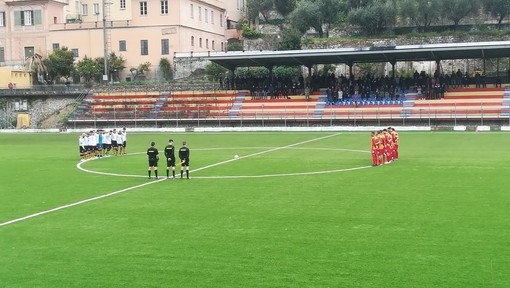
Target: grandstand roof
[[429, 52]]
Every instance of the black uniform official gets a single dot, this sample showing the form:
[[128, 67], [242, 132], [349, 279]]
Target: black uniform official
[[170, 158], [184, 156], [152, 154]]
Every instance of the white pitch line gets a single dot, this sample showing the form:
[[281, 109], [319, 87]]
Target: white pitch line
[[281, 175], [142, 185], [78, 203], [264, 152]]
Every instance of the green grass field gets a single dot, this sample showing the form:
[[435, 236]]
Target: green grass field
[[294, 213]]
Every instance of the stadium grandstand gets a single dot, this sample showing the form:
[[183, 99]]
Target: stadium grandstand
[[327, 100]]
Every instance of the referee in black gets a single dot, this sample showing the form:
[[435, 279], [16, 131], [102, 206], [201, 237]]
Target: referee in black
[[170, 158], [152, 153], [184, 156]]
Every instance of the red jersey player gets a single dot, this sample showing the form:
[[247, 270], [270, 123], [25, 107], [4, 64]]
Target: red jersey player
[[396, 141], [374, 147], [389, 146], [380, 149]]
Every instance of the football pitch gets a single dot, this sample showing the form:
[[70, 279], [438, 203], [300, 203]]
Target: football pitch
[[295, 210]]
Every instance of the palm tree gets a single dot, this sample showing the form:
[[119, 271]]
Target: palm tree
[[36, 64]]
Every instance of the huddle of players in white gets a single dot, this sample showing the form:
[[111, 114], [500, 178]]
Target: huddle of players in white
[[99, 143]]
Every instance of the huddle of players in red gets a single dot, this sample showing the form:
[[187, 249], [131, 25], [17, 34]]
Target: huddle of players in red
[[384, 146]]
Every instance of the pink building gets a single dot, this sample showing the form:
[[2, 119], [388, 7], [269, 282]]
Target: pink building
[[140, 31]]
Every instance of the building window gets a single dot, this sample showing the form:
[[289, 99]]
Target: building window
[[122, 45], [206, 43], [96, 8], [212, 17], [221, 19], [21, 105], [143, 8], [144, 47], [191, 10], [200, 42], [192, 41], [27, 18], [165, 47], [199, 13], [164, 7], [212, 43], [2, 54], [2, 19], [29, 51], [221, 46], [206, 16], [84, 9], [56, 46], [75, 53], [122, 4]]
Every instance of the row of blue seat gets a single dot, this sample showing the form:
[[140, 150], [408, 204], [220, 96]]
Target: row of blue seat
[[349, 102]]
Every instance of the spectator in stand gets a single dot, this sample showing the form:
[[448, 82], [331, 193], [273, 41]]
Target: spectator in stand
[[458, 75], [498, 81], [484, 80], [356, 98], [478, 80], [307, 92]]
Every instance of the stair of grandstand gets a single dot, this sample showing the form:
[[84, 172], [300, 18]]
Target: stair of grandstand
[[238, 102], [159, 104], [408, 104], [505, 109], [320, 103]]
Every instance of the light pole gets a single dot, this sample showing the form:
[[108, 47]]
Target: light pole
[[105, 44]]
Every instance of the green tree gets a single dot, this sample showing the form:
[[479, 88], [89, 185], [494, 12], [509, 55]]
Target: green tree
[[285, 71], [327, 69], [353, 4], [374, 18], [331, 11], [306, 15], [166, 68], [499, 9], [421, 13], [291, 40], [456, 10], [284, 7], [115, 65], [235, 46], [89, 69], [215, 71], [252, 71], [259, 7], [60, 63], [250, 32], [139, 72]]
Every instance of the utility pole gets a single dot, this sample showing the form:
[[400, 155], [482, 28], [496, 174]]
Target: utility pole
[[105, 43]]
